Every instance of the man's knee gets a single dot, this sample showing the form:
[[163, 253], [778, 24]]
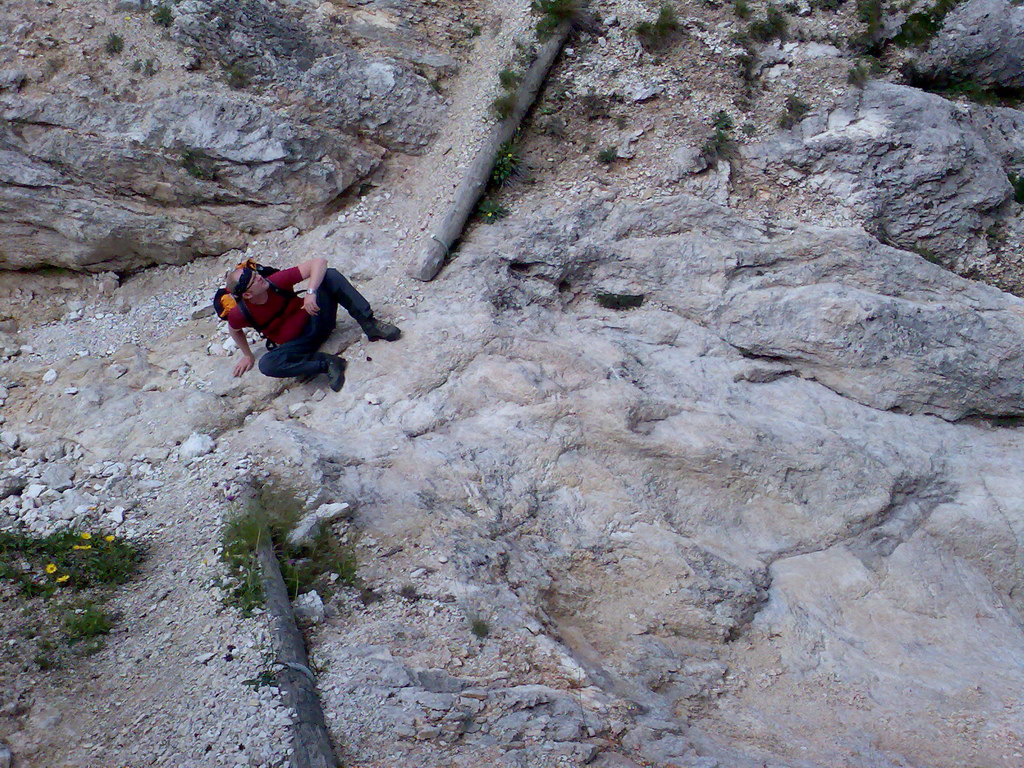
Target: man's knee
[[268, 365]]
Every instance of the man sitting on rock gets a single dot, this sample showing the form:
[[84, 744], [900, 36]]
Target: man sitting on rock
[[294, 326]]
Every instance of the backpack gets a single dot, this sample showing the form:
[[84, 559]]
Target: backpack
[[224, 302]]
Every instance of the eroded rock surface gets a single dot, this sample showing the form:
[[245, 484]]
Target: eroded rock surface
[[911, 165], [981, 41]]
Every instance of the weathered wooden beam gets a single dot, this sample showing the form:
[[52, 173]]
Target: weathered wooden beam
[[311, 742], [474, 183]]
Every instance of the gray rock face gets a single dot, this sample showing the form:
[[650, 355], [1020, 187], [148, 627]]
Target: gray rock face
[[387, 101], [720, 546], [910, 164], [981, 41], [90, 183]]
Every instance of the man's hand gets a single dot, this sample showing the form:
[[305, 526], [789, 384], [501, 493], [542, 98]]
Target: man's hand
[[309, 304], [244, 364]]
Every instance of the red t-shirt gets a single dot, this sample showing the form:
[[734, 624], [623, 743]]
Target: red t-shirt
[[290, 323]]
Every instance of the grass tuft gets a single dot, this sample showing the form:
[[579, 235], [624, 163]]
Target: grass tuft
[[114, 44], [274, 512], [655, 34], [608, 155], [503, 105], [162, 16], [480, 628], [772, 27]]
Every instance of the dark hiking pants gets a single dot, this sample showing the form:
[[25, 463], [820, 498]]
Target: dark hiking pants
[[299, 357]]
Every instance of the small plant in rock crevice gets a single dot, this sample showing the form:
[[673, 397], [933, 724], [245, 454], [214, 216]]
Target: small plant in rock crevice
[[1017, 182], [197, 165], [114, 44], [720, 144], [742, 9], [796, 109], [608, 155]]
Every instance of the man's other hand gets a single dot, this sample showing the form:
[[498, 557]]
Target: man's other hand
[[244, 364], [309, 304]]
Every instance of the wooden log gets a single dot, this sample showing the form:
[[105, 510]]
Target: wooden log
[[479, 172], [311, 742]]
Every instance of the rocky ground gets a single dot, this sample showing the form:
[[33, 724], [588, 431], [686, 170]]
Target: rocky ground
[[769, 517]]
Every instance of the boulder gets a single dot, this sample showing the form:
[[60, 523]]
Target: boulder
[[100, 184], [909, 164], [980, 41]]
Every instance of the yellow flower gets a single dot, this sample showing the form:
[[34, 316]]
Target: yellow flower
[[87, 535], [109, 537], [51, 568], [62, 579], [82, 546]]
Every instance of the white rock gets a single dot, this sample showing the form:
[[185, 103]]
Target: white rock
[[50, 376], [307, 529], [33, 491], [195, 446], [298, 410], [309, 607]]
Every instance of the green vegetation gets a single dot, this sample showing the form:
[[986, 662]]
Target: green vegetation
[[857, 76], [503, 105], [742, 9], [238, 76], [772, 27], [274, 513], [507, 164], [198, 165], [620, 301], [552, 13], [114, 44], [147, 67], [65, 560], [608, 155], [162, 16], [509, 78], [480, 628], [87, 622], [1017, 181], [796, 109], [73, 573], [490, 211], [720, 144], [654, 34], [919, 28]]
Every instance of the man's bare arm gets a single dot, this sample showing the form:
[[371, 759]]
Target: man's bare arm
[[248, 359], [314, 270]]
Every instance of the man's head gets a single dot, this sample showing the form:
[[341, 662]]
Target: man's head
[[248, 284]]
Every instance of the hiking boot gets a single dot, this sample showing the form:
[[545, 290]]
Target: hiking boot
[[335, 372], [376, 329]]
